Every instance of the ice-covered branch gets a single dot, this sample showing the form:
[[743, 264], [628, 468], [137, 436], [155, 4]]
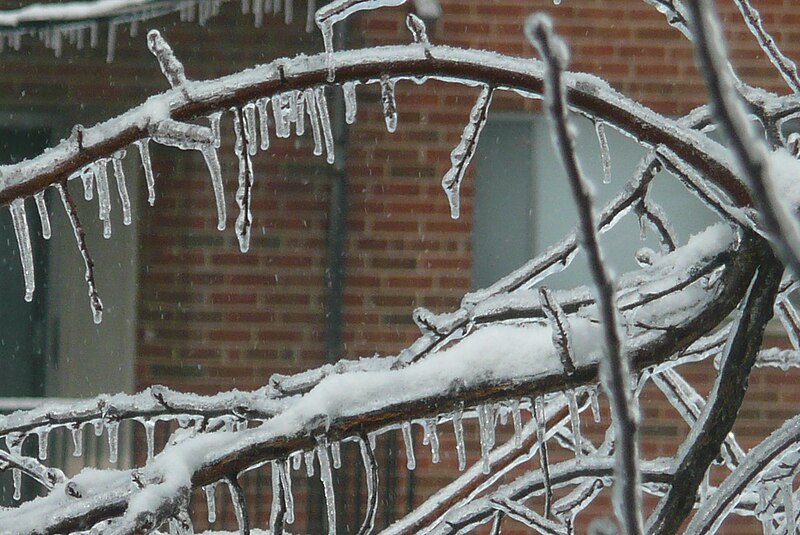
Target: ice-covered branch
[[587, 94], [702, 445], [616, 369], [350, 404]]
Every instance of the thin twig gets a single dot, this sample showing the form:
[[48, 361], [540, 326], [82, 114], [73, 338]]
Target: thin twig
[[783, 63], [627, 497]]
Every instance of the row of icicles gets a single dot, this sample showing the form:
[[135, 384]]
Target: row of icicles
[[81, 33], [327, 454]]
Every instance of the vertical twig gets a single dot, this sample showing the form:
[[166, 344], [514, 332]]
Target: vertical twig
[[627, 498]]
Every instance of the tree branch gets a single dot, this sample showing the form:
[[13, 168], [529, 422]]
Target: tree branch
[[702, 445]]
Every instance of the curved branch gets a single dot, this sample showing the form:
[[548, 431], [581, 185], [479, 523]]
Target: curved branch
[[587, 94], [702, 445], [350, 404]]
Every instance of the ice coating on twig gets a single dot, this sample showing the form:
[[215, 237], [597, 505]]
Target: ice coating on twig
[[122, 188], [245, 218], [170, 65], [605, 153], [336, 11], [80, 237], [44, 217], [389, 103], [144, 154], [20, 221], [350, 102], [417, 28], [462, 154]]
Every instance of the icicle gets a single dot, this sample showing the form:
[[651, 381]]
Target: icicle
[[462, 154], [313, 117], [103, 195], [292, 106], [327, 483], [595, 404], [80, 237], [263, 121], [211, 502], [373, 440], [16, 475], [286, 482], [98, 427], [150, 437], [245, 218], [17, 209], [214, 122], [215, 172], [575, 423], [41, 206], [389, 103], [326, 28], [408, 439], [278, 114], [300, 121], [112, 42], [239, 507], [325, 122], [297, 460], [371, 477], [77, 441], [87, 177], [350, 104], [42, 435], [516, 418], [249, 111], [112, 430], [288, 12], [458, 430], [541, 437], [336, 454], [605, 154], [433, 438], [122, 188], [144, 152], [276, 514], [484, 424], [309, 459]]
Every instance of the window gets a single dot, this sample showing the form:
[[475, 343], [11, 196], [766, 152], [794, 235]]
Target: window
[[522, 199]]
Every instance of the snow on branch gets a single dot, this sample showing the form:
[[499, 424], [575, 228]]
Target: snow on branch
[[343, 407]]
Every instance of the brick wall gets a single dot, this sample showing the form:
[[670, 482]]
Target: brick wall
[[211, 318]]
